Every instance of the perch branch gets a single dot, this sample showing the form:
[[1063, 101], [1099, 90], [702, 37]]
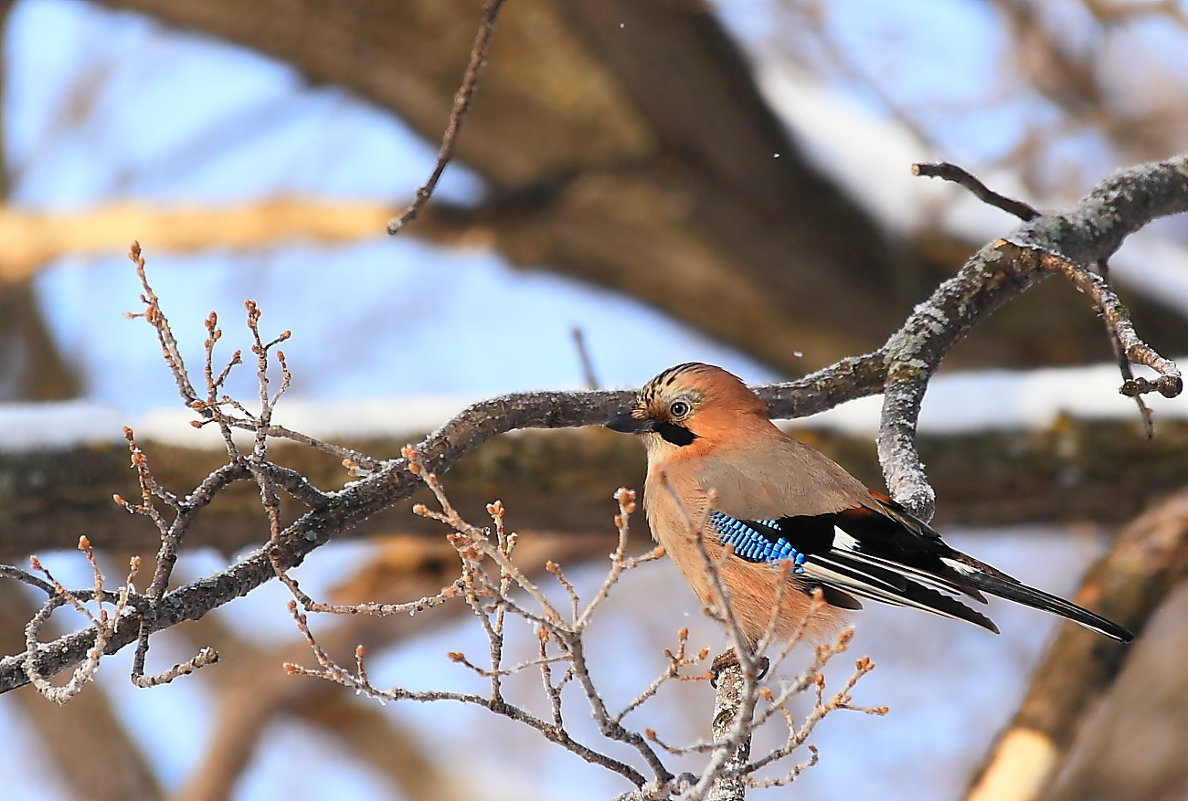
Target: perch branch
[[1046, 245]]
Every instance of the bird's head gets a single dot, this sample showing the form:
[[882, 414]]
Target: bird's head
[[689, 404]]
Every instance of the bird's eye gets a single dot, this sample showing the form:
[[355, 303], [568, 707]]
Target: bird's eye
[[678, 409]]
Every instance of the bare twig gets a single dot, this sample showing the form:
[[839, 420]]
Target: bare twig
[[490, 585], [349, 455], [1170, 383], [474, 545], [11, 572], [579, 342], [1145, 414], [462, 98], [155, 317], [951, 172], [554, 732], [102, 623]]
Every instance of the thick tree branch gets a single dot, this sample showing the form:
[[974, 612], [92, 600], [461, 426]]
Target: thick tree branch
[[50, 497], [35, 237], [1088, 232], [633, 174], [251, 697]]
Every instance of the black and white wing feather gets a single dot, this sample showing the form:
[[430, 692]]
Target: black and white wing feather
[[889, 556], [849, 552]]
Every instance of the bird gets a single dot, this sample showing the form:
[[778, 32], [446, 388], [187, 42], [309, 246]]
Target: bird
[[770, 509]]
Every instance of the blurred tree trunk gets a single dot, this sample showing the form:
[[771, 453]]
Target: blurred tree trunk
[[1147, 562], [1132, 746], [625, 143], [31, 368]]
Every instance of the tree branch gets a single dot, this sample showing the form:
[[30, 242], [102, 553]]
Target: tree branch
[[1088, 232], [49, 497], [951, 172]]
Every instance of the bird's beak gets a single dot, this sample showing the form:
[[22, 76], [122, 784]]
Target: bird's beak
[[624, 423]]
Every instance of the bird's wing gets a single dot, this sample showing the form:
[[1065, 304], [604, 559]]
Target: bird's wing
[[857, 551], [855, 542]]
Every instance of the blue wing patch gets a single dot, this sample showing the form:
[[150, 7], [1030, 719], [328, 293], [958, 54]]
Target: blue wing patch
[[755, 541]]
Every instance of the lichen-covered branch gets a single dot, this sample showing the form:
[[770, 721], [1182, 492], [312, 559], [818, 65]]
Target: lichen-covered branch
[[1055, 243]]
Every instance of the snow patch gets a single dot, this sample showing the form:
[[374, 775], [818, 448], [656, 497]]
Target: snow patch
[[1000, 400], [58, 425]]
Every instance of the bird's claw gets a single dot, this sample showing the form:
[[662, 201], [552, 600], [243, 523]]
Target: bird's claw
[[729, 659]]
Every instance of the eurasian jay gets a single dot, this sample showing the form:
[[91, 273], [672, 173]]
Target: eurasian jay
[[770, 509]]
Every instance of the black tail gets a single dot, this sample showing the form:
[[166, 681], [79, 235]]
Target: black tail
[[1038, 599]]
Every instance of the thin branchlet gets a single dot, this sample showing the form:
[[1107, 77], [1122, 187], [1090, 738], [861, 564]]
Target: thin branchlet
[[462, 98], [102, 622]]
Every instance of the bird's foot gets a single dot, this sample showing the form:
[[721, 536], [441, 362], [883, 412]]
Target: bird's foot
[[726, 659], [729, 659]]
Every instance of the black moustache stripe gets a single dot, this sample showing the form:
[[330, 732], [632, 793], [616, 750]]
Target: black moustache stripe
[[677, 435]]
